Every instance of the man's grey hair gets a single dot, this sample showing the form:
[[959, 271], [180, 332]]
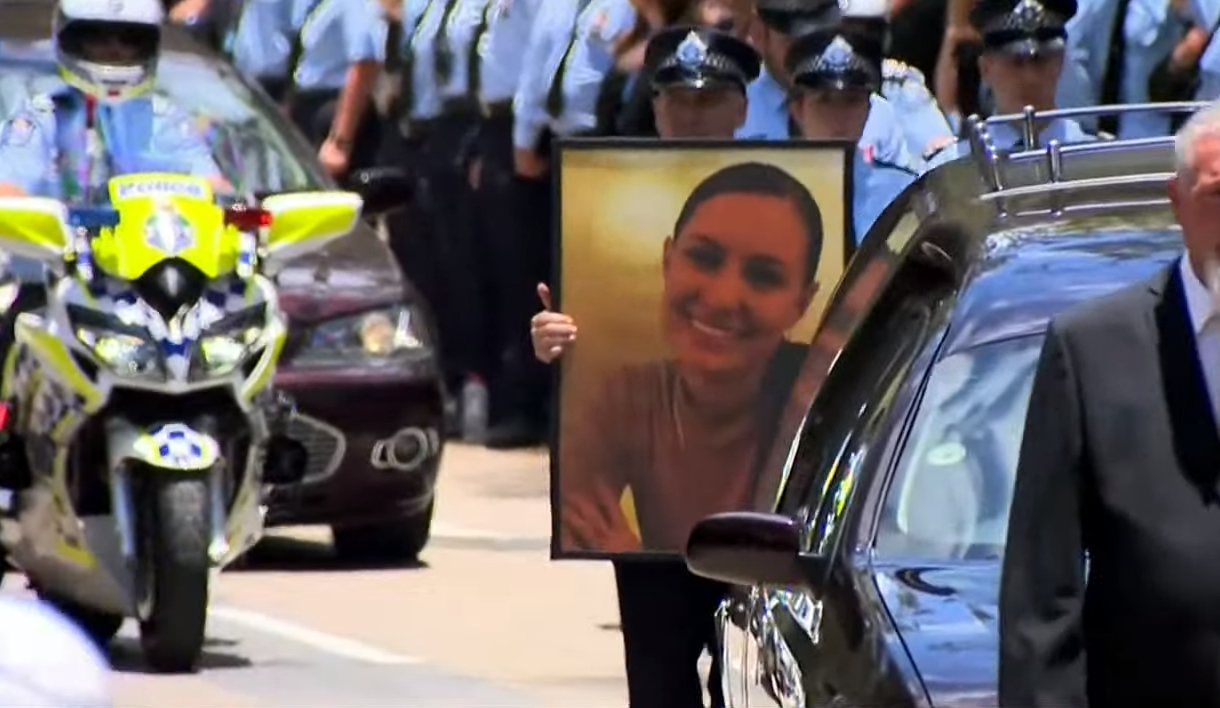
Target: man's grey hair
[[1202, 124]]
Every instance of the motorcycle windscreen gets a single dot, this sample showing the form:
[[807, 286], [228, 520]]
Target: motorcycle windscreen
[[164, 215]]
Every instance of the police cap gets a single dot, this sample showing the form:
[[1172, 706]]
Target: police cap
[[796, 17], [694, 57], [1027, 28], [837, 59]]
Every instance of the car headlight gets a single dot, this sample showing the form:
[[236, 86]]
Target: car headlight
[[124, 353], [376, 336]]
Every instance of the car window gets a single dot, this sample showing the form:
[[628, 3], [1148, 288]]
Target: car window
[[952, 487], [247, 145]]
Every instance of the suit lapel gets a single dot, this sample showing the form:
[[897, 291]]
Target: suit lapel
[[1196, 437]]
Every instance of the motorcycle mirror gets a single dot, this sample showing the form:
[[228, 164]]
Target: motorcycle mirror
[[383, 189]]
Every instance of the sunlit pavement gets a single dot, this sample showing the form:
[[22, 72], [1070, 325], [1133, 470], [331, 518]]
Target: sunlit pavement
[[486, 621]]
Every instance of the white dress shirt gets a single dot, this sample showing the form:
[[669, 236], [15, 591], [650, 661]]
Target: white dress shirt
[[1205, 322]]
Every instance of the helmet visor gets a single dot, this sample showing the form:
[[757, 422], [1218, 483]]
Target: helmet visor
[[114, 43]]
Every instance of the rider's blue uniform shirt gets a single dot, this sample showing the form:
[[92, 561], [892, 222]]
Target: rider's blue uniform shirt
[[1007, 136], [43, 143], [923, 124], [767, 118], [875, 184]]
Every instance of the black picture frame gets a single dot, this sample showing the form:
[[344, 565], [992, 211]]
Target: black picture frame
[[562, 147]]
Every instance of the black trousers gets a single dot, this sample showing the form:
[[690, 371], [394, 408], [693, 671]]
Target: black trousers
[[668, 618], [514, 231], [435, 241], [313, 112]]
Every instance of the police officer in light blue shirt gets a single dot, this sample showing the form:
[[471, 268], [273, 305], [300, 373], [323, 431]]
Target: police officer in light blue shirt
[[323, 57], [769, 117], [445, 83], [1203, 18], [104, 120], [834, 69], [506, 266], [1023, 54], [1149, 33], [924, 125]]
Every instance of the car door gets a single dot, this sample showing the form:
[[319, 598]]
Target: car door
[[796, 661]]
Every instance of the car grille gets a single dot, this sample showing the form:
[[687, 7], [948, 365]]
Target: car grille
[[324, 443]]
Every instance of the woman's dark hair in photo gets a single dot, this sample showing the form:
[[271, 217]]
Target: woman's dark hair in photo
[[764, 180]]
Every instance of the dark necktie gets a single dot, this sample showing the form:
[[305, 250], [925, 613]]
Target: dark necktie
[[554, 96], [1111, 81], [406, 98], [442, 55], [474, 66]]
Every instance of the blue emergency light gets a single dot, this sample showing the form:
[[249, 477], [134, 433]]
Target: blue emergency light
[[93, 218]]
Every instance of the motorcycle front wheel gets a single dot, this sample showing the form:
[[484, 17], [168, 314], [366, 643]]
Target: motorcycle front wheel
[[176, 571]]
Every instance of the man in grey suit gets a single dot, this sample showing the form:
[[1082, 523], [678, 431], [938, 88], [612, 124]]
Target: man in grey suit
[[1121, 460]]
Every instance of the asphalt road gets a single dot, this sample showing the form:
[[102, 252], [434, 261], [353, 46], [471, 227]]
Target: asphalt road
[[485, 621]]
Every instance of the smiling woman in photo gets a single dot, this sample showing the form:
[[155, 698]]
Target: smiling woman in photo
[[685, 435]]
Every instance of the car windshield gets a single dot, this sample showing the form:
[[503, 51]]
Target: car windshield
[[950, 497], [247, 146]]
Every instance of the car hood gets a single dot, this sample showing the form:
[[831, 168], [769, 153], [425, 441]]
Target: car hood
[[947, 616], [352, 274]]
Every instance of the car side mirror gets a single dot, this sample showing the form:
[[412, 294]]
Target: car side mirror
[[751, 548], [382, 188]]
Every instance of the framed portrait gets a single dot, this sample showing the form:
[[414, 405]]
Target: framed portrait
[[697, 274]]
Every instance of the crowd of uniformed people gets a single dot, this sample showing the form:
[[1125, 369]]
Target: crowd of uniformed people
[[479, 89], [467, 96]]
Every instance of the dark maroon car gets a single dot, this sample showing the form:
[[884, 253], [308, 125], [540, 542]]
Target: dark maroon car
[[360, 362]]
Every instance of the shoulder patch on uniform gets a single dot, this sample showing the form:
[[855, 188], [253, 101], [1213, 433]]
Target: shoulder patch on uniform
[[42, 103], [17, 131]]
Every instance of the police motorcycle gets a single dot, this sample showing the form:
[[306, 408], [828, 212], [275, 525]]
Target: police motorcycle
[[138, 401]]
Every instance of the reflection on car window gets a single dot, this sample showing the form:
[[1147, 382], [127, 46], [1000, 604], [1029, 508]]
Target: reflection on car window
[[250, 151], [950, 496]]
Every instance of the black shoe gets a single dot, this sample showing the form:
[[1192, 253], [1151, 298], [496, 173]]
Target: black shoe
[[514, 434]]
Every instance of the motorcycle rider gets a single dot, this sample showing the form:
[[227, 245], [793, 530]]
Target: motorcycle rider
[[104, 121]]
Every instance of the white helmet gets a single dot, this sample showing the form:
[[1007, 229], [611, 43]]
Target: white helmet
[[109, 48], [865, 8]]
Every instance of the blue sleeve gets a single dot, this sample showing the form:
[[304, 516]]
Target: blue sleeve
[[184, 144], [947, 154], [1205, 14], [364, 32], [529, 103], [27, 148], [882, 184], [883, 133], [923, 122]]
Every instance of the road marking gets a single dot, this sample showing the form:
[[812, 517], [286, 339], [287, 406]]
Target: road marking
[[457, 531], [300, 634]]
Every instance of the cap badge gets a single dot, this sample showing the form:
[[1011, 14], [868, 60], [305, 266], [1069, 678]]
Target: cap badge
[[1029, 12], [692, 51], [838, 55]]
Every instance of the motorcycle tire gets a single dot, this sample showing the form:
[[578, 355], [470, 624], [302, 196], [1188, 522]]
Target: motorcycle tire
[[101, 626], [176, 555]]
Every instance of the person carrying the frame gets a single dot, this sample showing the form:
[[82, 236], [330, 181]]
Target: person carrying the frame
[[699, 79]]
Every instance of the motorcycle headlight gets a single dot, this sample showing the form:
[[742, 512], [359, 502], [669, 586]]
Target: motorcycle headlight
[[228, 342], [124, 353], [377, 336]]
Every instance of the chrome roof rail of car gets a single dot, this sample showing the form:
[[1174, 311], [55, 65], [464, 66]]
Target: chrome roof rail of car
[[1055, 171]]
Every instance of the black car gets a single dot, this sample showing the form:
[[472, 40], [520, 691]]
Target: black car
[[875, 582]]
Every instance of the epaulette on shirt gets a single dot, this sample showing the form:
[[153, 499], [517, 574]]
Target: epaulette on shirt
[[900, 72]]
